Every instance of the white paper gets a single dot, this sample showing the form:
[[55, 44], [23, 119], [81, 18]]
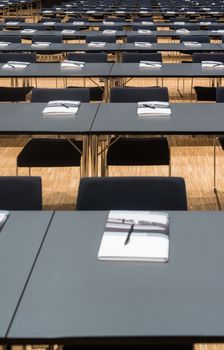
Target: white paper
[[109, 31], [15, 65], [28, 31], [72, 64], [97, 43], [182, 31], [149, 239], [144, 31], [61, 108], [41, 44], [78, 22], [11, 23], [142, 43], [68, 31], [150, 64], [4, 43], [156, 108], [147, 23], [191, 43], [212, 64], [48, 23]]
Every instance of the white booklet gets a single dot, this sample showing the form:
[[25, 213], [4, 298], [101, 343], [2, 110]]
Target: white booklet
[[182, 31], [109, 31], [150, 64], [143, 43], [4, 43], [49, 23], [205, 23], [4, 214], [68, 64], [153, 108], [108, 23], [147, 23], [61, 108], [212, 64], [191, 43], [28, 31], [97, 44], [144, 31], [41, 44], [68, 31], [78, 22], [179, 23], [15, 65], [12, 23], [135, 236]]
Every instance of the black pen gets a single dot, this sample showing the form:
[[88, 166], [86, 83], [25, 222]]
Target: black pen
[[129, 234]]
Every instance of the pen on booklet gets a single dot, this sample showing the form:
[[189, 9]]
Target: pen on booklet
[[129, 234]]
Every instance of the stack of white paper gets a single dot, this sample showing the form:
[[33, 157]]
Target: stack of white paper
[[191, 43], [107, 23], [90, 11], [4, 43], [49, 23], [135, 236], [147, 23], [28, 31], [41, 44], [12, 23], [109, 31], [182, 31], [144, 31], [143, 43], [179, 23], [68, 31], [97, 44], [150, 64], [61, 108], [47, 11], [72, 64], [78, 22], [212, 64], [3, 217], [205, 23], [153, 108], [15, 65], [218, 31]]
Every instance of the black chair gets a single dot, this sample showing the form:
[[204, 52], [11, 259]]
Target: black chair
[[189, 27], [15, 39], [101, 38], [16, 56], [20, 193], [96, 92], [146, 38], [132, 57], [132, 193], [206, 93], [54, 39], [147, 27], [126, 151], [14, 19], [14, 94], [47, 152], [107, 26], [203, 39]]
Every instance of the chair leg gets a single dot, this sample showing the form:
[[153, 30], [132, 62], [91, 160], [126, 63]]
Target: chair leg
[[170, 169], [214, 174]]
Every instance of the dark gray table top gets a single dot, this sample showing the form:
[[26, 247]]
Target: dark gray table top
[[55, 70], [83, 299], [166, 70], [64, 48], [20, 241], [170, 47], [27, 118], [186, 118]]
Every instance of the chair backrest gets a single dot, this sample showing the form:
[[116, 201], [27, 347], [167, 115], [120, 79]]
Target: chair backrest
[[188, 27], [105, 26], [46, 95], [14, 94], [137, 57], [14, 19], [11, 38], [101, 38], [88, 57], [145, 38], [114, 19], [199, 57], [21, 57], [220, 94], [20, 193], [132, 193], [49, 38], [138, 94], [199, 38], [142, 26], [60, 27], [50, 19]]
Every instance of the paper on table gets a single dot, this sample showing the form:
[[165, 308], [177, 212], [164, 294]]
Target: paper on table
[[12, 23], [15, 65], [142, 43], [72, 64], [48, 23], [78, 22], [182, 31], [191, 43], [147, 23], [179, 23], [4, 214], [97, 43], [108, 23], [61, 108], [150, 108], [144, 31], [150, 64], [68, 31], [212, 64], [41, 44], [109, 31], [27, 30], [135, 236], [4, 43]]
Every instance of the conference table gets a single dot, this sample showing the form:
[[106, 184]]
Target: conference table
[[67, 296]]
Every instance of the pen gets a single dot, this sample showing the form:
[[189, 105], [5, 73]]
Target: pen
[[129, 234]]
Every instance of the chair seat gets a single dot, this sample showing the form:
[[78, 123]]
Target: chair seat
[[136, 151], [221, 141], [50, 153], [205, 93]]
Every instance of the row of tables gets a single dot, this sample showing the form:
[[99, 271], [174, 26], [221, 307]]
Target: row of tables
[[54, 290]]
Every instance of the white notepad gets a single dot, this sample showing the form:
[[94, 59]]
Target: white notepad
[[72, 64], [61, 108], [49, 23], [179, 23], [68, 31], [4, 214], [108, 23], [191, 43], [109, 31], [4, 43], [12, 23], [153, 108], [182, 31], [150, 64], [212, 64], [218, 31], [142, 43], [15, 65], [41, 44], [144, 31], [78, 22], [97, 44], [28, 31], [147, 23], [205, 23], [135, 236]]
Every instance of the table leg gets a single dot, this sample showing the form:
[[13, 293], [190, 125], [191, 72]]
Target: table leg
[[85, 157]]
